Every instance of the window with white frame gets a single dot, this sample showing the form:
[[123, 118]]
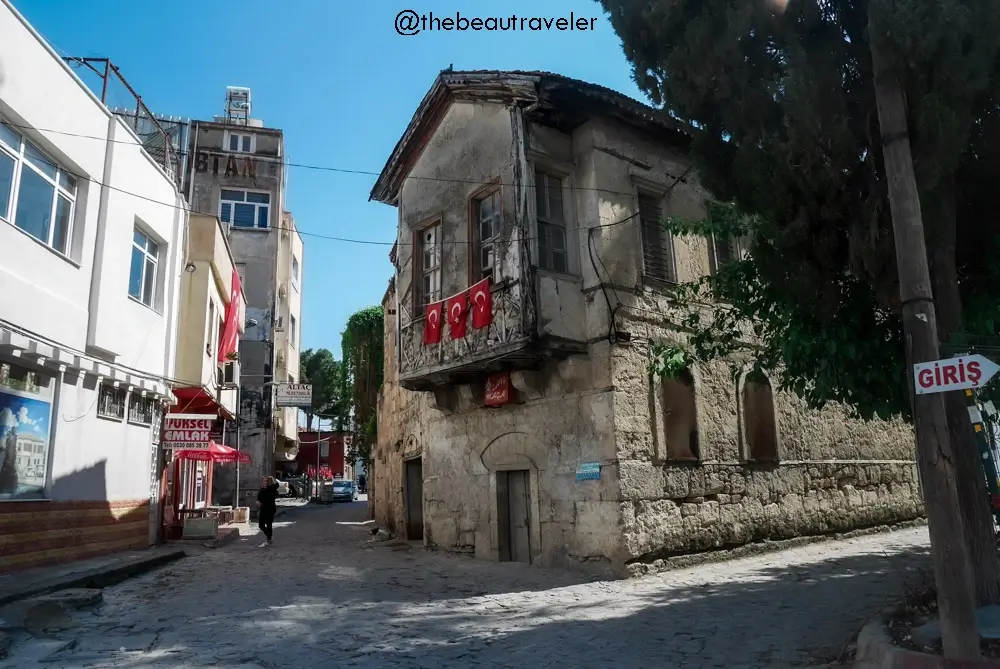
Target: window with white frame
[[295, 272], [724, 250], [428, 260], [36, 195], [142, 274], [486, 212], [292, 331], [141, 410], [245, 209], [551, 223], [111, 402], [240, 142]]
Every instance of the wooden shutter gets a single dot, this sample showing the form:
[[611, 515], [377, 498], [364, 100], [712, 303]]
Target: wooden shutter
[[657, 246]]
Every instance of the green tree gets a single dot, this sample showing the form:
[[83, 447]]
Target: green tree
[[363, 346], [787, 131], [319, 368]]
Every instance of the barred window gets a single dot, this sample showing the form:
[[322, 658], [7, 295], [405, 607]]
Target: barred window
[[141, 410], [111, 402]]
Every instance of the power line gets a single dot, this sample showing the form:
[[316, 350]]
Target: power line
[[370, 242], [325, 168]]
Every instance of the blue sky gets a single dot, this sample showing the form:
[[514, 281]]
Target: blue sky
[[340, 82]]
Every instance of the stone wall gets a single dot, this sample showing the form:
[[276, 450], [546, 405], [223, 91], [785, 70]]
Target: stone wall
[[401, 416]]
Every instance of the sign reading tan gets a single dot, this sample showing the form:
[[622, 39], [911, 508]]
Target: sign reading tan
[[187, 430]]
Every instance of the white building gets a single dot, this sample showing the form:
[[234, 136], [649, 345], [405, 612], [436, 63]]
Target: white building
[[91, 250]]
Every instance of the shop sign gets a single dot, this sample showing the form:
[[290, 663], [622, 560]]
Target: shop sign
[[231, 166], [293, 395], [187, 431], [497, 390]]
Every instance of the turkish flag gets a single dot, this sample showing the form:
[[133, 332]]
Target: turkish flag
[[229, 340], [482, 304], [458, 309], [432, 324]]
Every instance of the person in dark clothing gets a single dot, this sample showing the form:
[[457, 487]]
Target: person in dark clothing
[[267, 504]]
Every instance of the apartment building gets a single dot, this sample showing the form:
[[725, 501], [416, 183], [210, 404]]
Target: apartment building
[[237, 173], [212, 318], [519, 420], [91, 252]]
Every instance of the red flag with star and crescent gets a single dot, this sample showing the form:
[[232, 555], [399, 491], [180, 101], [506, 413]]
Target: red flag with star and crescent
[[482, 304], [432, 323], [458, 309]]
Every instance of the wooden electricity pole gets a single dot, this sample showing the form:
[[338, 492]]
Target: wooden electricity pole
[[949, 552]]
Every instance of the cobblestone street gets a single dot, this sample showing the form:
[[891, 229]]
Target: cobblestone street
[[324, 596]]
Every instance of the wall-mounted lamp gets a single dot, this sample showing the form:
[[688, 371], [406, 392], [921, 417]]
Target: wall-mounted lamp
[[190, 267]]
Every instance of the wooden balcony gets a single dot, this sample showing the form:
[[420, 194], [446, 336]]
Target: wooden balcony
[[510, 343]]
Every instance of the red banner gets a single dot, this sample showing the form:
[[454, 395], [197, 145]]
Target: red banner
[[482, 304], [458, 309], [229, 341], [432, 323], [497, 390]]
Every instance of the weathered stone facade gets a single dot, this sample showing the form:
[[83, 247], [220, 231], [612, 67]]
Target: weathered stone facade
[[686, 465]]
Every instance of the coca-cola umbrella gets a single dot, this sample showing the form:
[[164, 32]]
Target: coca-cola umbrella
[[214, 453]]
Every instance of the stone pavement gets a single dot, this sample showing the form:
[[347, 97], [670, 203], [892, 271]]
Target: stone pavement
[[324, 596]]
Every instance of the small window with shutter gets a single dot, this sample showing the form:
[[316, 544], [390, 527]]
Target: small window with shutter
[[657, 242], [724, 250]]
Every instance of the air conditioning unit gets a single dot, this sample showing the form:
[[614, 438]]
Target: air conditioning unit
[[281, 357], [282, 291], [231, 373], [279, 325]]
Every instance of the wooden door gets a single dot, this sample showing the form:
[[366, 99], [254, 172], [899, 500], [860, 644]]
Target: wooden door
[[413, 491], [514, 516]]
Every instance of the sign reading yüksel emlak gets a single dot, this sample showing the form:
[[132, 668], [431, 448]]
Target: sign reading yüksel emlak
[[187, 430], [967, 371]]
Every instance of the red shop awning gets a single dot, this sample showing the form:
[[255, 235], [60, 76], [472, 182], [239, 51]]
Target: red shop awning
[[214, 453], [195, 399]]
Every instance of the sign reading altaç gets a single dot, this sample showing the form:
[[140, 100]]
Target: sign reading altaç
[[231, 166]]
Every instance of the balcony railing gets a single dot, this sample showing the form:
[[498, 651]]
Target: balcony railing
[[510, 332]]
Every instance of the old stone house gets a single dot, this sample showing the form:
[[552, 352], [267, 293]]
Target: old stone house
[[552, 188]]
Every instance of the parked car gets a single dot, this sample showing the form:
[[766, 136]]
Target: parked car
[[344, 491]]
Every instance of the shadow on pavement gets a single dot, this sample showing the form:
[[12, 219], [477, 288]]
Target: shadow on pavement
[[335, 599]]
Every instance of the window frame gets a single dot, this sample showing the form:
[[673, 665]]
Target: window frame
[[545, 253], [118, 395], [21, 158], [420, 300], [650, 275], [737, 246], [476, 244], [295, 272], [147, 257], [231, 219], [293, 329], [137, 401], [231, 134]]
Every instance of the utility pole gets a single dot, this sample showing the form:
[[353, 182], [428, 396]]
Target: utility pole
[[935, 459]]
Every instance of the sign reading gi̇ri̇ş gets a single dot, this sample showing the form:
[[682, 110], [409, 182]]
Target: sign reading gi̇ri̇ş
[[187, 430], [938, 376]]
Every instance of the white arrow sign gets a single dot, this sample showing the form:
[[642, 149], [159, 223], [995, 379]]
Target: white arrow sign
[[938, 376]]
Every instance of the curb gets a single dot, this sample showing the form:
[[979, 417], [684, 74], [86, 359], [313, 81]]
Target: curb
[[877, 651], [97, 578]]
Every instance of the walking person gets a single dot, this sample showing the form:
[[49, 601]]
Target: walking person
[[267, 506]]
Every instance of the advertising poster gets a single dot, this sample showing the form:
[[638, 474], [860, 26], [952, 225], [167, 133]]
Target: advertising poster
[[24, 444]]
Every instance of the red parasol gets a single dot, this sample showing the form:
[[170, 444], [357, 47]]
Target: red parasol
[[214, 453]]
